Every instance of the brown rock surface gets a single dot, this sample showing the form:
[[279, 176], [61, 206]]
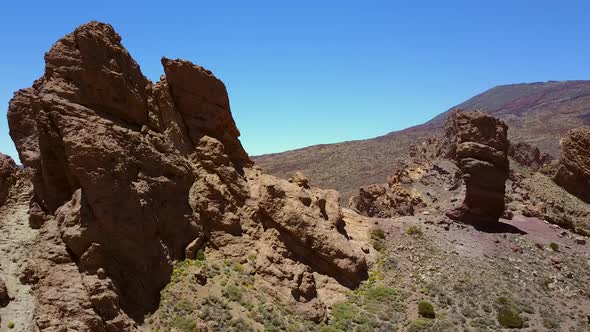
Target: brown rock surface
[[4, 297], [385, 201], [299, 179], [573, 168], [528, 155], [479, 145], [8, 176], [129, 176]]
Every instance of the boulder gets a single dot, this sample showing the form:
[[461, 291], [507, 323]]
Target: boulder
[[130, 177], [8, 172], [4, 297], [479, 145], [572, 171]]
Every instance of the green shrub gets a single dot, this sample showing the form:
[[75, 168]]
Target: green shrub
[[503, 301], [419, 325], [380, 294], [377, 234], [414, 230], [554, 246], [510, 318], [232, 293], [425, 309], [239, 268], [184, 324], [200, 255], [10, 325], [378, 244], [583, 231]]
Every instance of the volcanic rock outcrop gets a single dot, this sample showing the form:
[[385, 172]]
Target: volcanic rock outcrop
[[572, 172], [479, 145], [385, 200], [528, 155], [129, 176], [8, 171]]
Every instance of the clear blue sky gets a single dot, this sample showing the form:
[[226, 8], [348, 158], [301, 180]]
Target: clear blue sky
[[305, 73]]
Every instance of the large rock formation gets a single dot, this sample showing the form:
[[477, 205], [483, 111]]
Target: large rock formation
[[479, 145], [572, 172], [129, 176], [528, 155], [385, 200], [8, 171]]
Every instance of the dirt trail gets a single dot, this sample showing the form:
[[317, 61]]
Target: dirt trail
[[15, 243]]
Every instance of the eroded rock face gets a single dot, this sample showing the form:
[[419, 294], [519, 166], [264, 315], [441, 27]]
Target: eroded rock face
[[299, 179], [479, 145], [130, 176], [385, 201], [528, 155], [4, 297], [8, 171], [572, 171]]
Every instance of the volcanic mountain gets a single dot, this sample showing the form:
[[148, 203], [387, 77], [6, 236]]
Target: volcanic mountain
[[536, 113]]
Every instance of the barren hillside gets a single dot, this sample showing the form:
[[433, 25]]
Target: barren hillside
[[537, 113]]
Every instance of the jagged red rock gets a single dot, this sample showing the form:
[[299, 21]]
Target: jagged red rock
[[479, 145], [130, 176]]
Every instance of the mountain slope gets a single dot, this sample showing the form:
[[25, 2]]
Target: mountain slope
[[537, 113]]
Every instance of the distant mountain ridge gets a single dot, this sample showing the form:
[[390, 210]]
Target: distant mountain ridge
[[537, 113]]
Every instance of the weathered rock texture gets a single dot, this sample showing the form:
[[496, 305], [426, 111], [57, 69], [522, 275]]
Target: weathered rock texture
[[479, 145], [572, 171], [4, 297], [385, 201], [8, 176], [129, 176], [528, 155]]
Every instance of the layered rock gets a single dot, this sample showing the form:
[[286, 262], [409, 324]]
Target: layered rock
[[130, 176], [572, 171], [8, 176], [479, 145], [528, 155]]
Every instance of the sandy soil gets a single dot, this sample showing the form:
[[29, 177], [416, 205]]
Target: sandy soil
[[15, 243]]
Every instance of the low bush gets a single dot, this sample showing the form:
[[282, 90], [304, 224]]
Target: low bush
[[377, 233], [232, 293], [426, 310], [510, 318], [414, 230]]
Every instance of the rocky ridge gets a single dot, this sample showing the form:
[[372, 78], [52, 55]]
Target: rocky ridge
[[130, 177]]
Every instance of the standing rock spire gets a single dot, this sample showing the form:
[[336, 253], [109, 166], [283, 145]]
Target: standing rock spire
[[479, 144]]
